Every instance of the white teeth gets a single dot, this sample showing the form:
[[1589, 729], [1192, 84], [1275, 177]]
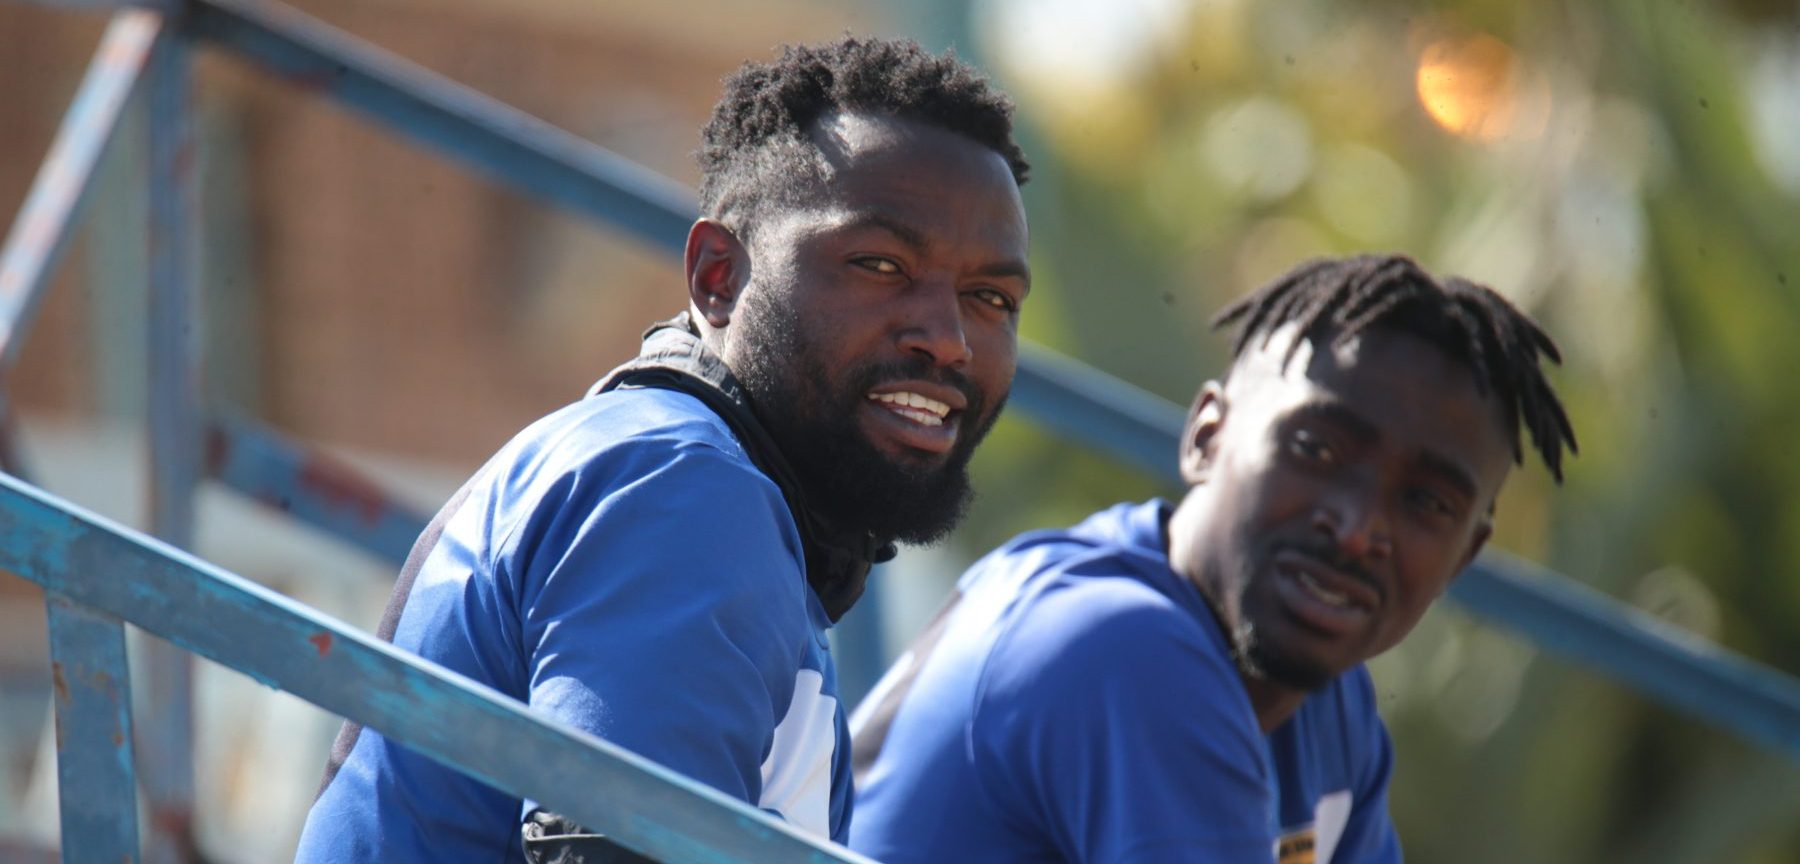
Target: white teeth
[[923, 407], [923, 418], [1324, 595]]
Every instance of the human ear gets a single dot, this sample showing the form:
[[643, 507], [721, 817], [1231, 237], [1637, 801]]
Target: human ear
[[1204, 421], [717, 266]]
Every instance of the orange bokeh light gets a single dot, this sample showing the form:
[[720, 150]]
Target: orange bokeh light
[[1468, 86]]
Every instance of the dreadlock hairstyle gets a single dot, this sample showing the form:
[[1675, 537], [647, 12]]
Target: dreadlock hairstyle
[[1341, 297], [756, 146]]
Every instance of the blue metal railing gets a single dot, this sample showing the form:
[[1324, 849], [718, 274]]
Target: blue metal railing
[[99, 575]]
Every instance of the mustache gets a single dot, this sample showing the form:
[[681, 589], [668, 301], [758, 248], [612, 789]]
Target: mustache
[[918, 368], [1329, 556]]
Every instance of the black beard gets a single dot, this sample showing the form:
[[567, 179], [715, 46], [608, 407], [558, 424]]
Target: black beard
[[1259, 660], [845, 478]]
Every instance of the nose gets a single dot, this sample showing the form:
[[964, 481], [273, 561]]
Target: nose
[[1356, 522], [933, 325]]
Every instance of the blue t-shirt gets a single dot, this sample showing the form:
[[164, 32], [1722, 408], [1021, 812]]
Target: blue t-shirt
[[1080, 704], [623, 567]]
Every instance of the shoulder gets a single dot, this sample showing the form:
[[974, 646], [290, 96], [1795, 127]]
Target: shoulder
[[1090, 595], [1094, 623], [647, 467], [1102, 683], [606, 443], [623, 423]]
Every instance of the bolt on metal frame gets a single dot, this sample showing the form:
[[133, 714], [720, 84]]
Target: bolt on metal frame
[[98, 575]]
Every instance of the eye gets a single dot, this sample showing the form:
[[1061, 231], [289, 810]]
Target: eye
[[1431, 503], [877, 264], [1311, 447], [996, 298]]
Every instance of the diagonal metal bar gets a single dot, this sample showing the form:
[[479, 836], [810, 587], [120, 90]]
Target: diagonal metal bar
[[495, 138], [1090, 407], [92, 684], [45, 223], [473, 728], [1676, 668], [310, 487]]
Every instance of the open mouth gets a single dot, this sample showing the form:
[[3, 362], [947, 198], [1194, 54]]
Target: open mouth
[[918, 408], [911, 421], [1325, 598], [1320, 592]]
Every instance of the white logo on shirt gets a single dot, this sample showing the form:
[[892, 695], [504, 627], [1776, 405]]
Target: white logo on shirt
[[1314, 844], [797, 774]]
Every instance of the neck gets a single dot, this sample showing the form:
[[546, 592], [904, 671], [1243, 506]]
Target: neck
[[1273, 702]]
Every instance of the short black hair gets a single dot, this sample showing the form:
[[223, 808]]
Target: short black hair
[[757, 148], [1341, 297]]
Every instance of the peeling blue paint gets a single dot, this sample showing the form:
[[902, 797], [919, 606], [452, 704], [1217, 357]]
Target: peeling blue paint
[[94, 767]]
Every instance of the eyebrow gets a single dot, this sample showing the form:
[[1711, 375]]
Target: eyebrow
[[913, 237], [1359, 427], [1341, 415], [906, 233], [1449, 471]]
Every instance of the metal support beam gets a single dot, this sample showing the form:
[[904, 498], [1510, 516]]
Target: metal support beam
[[414, 702], [42, 229], [92, 684], [174, 419], [312, 488], [497, 139], [1563, 617], [1095, 409]]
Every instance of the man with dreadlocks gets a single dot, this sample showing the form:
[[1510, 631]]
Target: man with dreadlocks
[[659, 563], [1185, 682]]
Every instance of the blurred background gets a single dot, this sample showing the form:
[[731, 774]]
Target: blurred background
[[1627, 171]]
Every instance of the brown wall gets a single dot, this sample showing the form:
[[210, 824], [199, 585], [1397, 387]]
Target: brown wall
[[369, 292]]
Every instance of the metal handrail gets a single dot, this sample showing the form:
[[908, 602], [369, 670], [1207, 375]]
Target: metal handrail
[[99, 575], [113, 573]]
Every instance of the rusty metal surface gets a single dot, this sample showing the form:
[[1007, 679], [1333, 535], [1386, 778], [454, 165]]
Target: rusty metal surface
[[311, 487], [94, 773]]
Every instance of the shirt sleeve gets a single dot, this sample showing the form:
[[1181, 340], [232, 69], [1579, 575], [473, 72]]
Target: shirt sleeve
[[1107, 721], [1369, 836], [661, 602]]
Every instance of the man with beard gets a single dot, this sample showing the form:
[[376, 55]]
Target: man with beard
[[658, 563], [1184, 682]]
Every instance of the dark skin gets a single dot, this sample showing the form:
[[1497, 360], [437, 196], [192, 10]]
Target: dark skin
[[1333, 498], [913, 247]]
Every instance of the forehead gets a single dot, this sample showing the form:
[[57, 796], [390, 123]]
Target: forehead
[[1418, 397], [915, 172]]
